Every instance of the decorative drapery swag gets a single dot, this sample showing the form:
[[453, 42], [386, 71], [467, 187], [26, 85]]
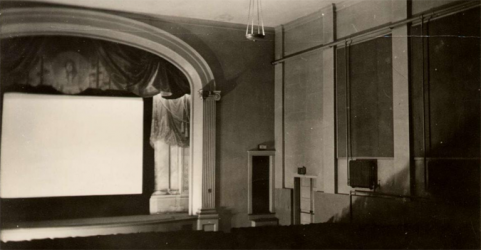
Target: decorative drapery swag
[[142, 73], [73, 64], [170, 121]]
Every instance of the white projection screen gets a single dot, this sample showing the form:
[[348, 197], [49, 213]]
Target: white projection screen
[[58, 145]]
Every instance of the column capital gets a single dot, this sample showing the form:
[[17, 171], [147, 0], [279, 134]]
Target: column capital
[[204, 94]]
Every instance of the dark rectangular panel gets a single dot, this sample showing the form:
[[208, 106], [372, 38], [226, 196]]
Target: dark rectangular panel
[[363, 173], [454, 69], [445, 110], [369, 84], [260, 184]]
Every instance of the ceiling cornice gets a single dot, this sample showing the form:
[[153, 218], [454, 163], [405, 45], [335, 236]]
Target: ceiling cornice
[[275, 12], [7, 4], [196, 22]]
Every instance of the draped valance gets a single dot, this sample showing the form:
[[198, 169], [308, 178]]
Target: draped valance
[[71, 65], [142, 73]]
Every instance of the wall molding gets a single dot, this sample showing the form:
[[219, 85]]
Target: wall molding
[[196, 22]]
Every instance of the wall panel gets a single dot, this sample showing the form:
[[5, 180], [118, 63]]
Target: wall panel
[[364, 99], [398, 65], [419, 6], [283, 206], [303, 33], [356, 16], [303, 114]]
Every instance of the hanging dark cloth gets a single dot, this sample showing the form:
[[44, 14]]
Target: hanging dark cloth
[[141, 72], [19, 55], [127, 68]]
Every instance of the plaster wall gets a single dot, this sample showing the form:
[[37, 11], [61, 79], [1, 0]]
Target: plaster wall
[[426, 5], [395, 174]]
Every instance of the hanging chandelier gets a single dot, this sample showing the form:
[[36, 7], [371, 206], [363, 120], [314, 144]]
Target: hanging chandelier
[[255, 23]]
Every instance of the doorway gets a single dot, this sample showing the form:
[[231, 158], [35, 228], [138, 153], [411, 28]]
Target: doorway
[[303, 200]]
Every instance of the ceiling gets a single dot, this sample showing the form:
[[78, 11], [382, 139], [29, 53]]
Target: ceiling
[[275, 12]]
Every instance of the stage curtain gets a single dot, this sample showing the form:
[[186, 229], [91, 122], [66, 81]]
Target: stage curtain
[[141, 72], [170, 121], [19, 55]]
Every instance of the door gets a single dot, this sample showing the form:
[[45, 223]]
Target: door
[[304, 201], [307, 211]]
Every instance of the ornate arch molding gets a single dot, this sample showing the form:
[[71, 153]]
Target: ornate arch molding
[[18, 22]]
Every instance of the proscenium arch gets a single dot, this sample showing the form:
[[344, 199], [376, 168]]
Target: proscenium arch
[[18, 22]]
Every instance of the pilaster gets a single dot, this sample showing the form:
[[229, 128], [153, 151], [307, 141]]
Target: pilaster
[[279, 42], [328, 177], [208, 219], [328, 123], [328, 24], [400, 71], [400, 10], [279, 109], [279, 125], [401, 104]]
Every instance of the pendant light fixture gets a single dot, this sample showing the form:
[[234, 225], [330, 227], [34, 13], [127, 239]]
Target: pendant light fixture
[[255, 23]]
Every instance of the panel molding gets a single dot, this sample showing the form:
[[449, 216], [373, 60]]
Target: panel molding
[[271, 154]]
